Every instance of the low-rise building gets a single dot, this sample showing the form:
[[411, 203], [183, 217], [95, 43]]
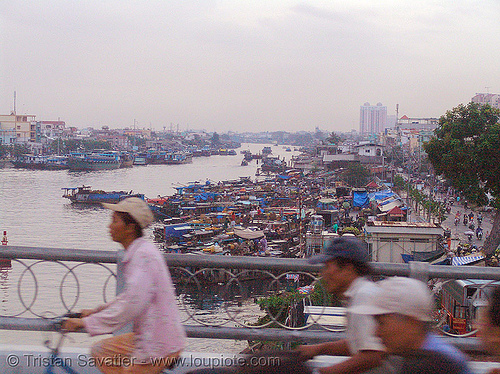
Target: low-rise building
[[487, 98], [7, 136], [24, 126], [398, 242], [52, 129], [406, 122]]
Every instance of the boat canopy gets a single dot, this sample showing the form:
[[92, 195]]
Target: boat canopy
[[248, 234]]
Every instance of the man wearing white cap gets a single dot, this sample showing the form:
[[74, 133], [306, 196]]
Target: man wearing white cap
[[403, 310], [147, 301]]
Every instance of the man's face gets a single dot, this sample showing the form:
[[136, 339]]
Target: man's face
[[337, 279], [118, 228], [396, 332]]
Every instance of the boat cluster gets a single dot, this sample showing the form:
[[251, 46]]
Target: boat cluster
[[263, 217], [99, 159]]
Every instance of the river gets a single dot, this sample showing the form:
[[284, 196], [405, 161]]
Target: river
[[34, 213]]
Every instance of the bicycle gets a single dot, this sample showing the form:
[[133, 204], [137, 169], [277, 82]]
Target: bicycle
[[54, 359]]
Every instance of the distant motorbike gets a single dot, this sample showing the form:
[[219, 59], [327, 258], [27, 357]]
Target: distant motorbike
[[479, 235], [456, 221], [471, 226]]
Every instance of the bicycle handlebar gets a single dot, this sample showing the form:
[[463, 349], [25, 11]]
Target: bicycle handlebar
[[59, 321], [72, 315]]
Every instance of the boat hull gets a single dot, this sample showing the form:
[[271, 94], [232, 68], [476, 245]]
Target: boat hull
[[82, 165], [101, 198]]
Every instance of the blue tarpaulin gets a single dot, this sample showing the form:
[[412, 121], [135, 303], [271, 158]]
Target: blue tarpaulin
[[407, 258], [380, 195], [385, 202], [205, 196], [360, 199], [177, 230]]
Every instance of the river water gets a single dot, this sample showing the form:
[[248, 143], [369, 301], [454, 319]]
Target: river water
[[34, 213]]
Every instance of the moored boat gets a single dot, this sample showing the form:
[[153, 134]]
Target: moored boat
[[41, 162], [127, 160], [85, 194], [97, 160], [141, 159], [273, 164], [267, 151], [177, 158]]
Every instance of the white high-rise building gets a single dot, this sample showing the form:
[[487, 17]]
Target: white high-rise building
[[373, 119], [487, 98]]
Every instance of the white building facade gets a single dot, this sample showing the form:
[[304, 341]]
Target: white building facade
[[487, 98], [373, 119], [391, 241]]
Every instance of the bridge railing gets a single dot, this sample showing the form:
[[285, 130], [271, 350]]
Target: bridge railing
[[219, 296]]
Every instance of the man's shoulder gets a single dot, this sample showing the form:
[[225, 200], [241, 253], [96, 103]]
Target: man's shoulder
[[146, 250], [431, 362], [361, 288]]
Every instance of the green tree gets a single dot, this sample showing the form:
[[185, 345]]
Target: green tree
[[215, 140], [355, 175], [333, 139], [74, 145], [20, 149], [137, 141], [466, 150], [4, 150]]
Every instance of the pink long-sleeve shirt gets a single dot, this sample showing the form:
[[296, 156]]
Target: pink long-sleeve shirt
[[148, 301]]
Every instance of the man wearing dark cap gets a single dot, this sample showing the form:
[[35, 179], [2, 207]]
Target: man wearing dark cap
[[147, 302], [345, 267]]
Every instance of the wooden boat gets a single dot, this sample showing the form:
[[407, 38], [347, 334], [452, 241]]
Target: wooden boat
[[85, 194], [41, 162]]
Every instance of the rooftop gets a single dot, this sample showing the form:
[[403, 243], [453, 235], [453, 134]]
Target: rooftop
[[402, 224]]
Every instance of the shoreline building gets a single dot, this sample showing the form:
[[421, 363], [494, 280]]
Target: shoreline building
[[487, 98], [373, 119], [23, 126]]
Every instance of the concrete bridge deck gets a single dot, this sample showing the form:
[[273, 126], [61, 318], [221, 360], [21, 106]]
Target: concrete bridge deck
[[24, 359]]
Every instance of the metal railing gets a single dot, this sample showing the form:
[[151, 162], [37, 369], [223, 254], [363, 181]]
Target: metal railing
[[216, 293]]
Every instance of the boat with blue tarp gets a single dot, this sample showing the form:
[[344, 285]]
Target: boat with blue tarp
[[85, 194]]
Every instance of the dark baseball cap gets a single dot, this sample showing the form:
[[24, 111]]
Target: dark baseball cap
[[350, 248]]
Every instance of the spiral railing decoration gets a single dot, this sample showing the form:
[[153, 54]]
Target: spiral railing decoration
[[213, 291], [206, 296]]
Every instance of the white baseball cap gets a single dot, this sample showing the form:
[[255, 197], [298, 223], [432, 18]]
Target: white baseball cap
[[406, 296], [136, 207]]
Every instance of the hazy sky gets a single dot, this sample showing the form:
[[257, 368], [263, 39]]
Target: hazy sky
[[238, 65]]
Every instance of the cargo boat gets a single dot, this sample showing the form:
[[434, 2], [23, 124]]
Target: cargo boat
[[97, 160], [85, 194], [41, 162]]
